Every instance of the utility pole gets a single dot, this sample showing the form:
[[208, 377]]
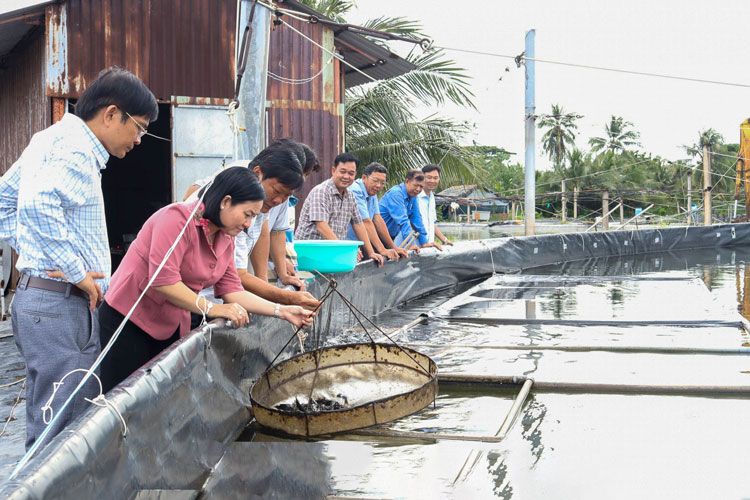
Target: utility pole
[[575, 202], [605, 210], [530, 168], [707, 186], [622, 212], [564, 203], [690, 197]]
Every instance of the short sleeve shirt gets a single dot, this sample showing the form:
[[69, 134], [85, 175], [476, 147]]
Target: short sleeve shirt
[[325, 203], [278, 218], [367, 204]]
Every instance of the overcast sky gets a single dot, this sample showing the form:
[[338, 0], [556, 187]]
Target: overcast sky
[[677, 37]]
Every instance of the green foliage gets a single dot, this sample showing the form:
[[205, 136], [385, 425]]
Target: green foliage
[[560, 136], [380, 124], [618, 137], [501, 176]]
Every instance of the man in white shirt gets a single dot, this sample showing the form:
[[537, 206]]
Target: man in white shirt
[[279, 167], [426, 200]]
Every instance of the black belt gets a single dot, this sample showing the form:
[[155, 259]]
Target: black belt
[[28, 281]]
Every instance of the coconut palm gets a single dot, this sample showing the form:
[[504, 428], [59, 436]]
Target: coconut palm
[[560, 135], [708, 137], [618, 138], [380, 124]]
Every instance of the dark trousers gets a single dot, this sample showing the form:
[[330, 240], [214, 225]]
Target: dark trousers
[[133, 348], [56, 334]]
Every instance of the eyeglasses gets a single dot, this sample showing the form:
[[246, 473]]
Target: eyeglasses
[[143, 130]]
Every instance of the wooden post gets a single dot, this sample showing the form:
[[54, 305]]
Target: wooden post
[[622, 212], [564, 203], [707, 220], [513, 210], [605, 210], [690, 197], [575, 202]]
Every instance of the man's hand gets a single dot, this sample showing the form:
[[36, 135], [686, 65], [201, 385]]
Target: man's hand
[[391, 254], [401, 252], [414, 248], [378, 259], [290, 267], [436, 245], [447, 242], [87, 284], [293, 280], [359, 255], [304, 299]]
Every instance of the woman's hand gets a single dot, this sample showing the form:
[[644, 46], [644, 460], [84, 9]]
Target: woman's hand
[[296, 315], [232, 311]]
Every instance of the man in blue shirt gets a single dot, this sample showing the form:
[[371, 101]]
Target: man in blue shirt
[[400, 211], [366, 191], [53, 215]]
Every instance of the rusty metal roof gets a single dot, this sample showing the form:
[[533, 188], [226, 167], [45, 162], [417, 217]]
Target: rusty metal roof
[[369, 57], [17, 18]]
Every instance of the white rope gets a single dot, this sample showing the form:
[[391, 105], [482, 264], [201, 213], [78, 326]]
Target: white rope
[[301, 336], [237, 148], [35, 447], [302, 81], [100, 400]]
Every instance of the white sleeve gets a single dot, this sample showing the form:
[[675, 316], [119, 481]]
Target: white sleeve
[[241, 251]]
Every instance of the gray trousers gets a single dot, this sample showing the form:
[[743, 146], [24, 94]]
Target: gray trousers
[[55, 334]]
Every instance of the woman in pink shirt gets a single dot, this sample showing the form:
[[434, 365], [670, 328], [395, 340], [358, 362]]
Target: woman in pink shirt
[[203, 257]]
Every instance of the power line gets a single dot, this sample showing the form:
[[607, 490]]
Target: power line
[[600, 68]]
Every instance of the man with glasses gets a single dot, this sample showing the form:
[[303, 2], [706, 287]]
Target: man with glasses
[[52, 214], [365, 191]]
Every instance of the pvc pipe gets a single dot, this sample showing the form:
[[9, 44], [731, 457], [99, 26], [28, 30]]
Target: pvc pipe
[[684, 390], [589, 322], [587, 348], [515, 409]]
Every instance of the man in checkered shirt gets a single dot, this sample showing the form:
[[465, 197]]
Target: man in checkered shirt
[[331, 207], [52, 213]]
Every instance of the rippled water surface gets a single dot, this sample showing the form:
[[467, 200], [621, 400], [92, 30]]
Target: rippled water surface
[[575, 444]]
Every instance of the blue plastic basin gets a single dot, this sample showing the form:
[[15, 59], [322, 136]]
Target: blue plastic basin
[[326, 256]]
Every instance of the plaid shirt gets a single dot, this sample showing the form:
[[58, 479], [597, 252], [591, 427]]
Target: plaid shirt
[[325, 203], [51, 204]]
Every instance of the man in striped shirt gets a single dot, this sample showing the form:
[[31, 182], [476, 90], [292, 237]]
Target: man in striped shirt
[[52, 213]]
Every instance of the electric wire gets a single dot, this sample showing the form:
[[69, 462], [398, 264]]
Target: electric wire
[[600, 68]]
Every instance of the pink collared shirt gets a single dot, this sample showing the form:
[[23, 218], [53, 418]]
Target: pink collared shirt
[[194, 262]]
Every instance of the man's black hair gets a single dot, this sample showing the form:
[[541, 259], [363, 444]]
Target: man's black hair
[[238, 182], [122, 88], [281, 160], [431, 168], [345, 158], [311, 160], [373, 168], [414, 174]]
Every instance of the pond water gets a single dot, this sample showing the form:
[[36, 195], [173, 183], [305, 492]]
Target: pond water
[[565, 324]]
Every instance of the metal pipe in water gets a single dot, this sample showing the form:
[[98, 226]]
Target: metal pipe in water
[[587, 348], [683, 390]]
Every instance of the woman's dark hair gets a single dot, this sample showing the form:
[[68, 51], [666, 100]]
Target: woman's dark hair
[[374, 167], [238, 182], [281, 160], [119, 87]]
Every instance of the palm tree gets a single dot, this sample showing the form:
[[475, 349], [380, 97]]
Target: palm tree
[[380, 124], [618, 138], [708, 137], [560, 135], [577, 168]]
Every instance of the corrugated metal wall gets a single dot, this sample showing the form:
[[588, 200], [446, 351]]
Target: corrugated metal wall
[[24, 109], [311, 112], [178, 47]]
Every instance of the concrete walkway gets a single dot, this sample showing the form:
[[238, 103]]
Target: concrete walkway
[[12, 398]]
